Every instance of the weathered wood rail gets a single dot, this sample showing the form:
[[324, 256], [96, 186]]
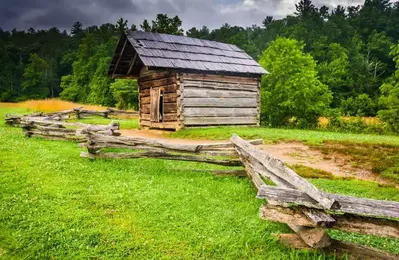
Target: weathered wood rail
[[308, 211], [58, 130], [79, 112], [216, 153]]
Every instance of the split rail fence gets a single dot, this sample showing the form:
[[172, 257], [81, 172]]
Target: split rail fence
[[291, 199], [309, 211], [78, 113], [137, 147], [51, 125]]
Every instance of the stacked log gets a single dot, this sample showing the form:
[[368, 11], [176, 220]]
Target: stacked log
[[218, 100], [14, 120], [218, 153], [308, 211], [54, 130]]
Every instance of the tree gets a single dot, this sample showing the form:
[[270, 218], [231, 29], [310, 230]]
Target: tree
[[334, 70], [125, 92], [267, 21], [77, 29], [361, 105], [203, 33], [292, 90], [145, 26], [389, 100], [305, 9], [88, 82], [34, 84], [121, 25], [164, 24]]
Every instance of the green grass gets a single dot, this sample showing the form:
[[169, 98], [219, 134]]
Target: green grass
[[124, 123], [312, 173], [54, 204], [276, 134]]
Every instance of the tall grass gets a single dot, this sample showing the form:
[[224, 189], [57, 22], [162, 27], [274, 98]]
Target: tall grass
[[50, 105]]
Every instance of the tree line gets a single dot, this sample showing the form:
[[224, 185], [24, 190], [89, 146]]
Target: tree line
[[322, 61]]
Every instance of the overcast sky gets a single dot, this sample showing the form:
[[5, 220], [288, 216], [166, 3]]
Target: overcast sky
[[42, 14]]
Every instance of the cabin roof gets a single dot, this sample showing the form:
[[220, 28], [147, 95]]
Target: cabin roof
[[157, 50]]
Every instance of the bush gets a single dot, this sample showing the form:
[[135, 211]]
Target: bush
[[126, 94], [359, 125], [292, 90], [389, 99], [361, 105]]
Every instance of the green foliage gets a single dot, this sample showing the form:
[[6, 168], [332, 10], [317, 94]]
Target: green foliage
[[354, 125], [57, 205], [350, 46], [126, 94], [361, 105], [121, 25], [281, 134], [33, 84], [89, 82], [292, 90], [334, 69], [389, 99], [164, 24]]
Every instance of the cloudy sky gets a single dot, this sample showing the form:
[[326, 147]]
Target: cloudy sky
[[42, 14]]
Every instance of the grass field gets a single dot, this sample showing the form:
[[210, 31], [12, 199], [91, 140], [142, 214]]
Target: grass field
[[56, 205], [278, 134]]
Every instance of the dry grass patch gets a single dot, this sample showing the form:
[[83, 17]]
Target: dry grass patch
[[381, 159], [49, 105]]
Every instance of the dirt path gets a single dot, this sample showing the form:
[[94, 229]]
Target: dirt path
[[301, 154], [289, 152]]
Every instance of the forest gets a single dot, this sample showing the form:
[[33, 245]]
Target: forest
[[322, 62]]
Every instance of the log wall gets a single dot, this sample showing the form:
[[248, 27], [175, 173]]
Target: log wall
[[198, 99], [156, 81], [218, 100]]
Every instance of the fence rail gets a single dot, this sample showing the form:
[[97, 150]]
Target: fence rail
[[57, 130], [217, 153], [78, 112], [308, 211], [294, 201]]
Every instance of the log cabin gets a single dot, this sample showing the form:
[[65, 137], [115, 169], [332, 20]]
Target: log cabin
[[187, 82]]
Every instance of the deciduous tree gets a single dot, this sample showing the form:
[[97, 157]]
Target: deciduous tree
[[292, 90]]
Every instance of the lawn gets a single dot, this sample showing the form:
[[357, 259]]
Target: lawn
[[54, 204], [278, 134], [124, 123]]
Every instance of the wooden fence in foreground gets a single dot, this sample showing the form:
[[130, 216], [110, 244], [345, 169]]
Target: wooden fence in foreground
[[137, 147], [293, 200], [309, 211]]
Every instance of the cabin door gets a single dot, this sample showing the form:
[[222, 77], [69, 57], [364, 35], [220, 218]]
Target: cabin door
[[156, 111]]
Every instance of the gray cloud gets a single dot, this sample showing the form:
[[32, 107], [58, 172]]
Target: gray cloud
[[23, 14]]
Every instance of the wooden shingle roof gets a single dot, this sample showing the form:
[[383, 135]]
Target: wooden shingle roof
[[158, 50]]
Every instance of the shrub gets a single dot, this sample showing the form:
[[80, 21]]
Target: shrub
[[292, 90], [389, 98], [361, 105], [126, 94]]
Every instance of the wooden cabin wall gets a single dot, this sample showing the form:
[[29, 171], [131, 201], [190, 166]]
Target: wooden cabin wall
[[219, 100], [155, 80]]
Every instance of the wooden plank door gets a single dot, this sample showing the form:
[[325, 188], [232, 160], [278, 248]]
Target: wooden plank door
[[154, 109]]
